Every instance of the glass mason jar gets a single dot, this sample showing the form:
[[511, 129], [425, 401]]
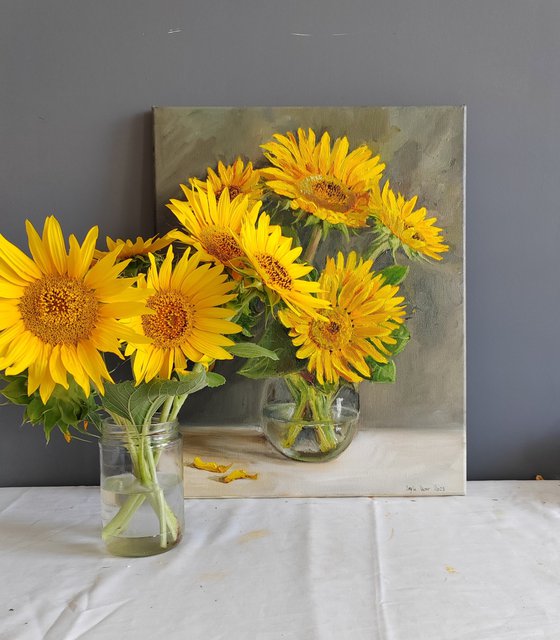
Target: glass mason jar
[[142, 507], [308, 422]]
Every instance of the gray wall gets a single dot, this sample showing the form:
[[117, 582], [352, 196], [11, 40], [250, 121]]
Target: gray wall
[[77, 82]]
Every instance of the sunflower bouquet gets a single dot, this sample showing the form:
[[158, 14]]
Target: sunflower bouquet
[[311, 234], [67, 307], [289, 263]]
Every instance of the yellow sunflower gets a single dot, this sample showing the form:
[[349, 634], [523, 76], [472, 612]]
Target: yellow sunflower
[[364, 312], [331, 184], [415, 232], [237, 179], [132, 249], [58, 309], [271, 255], [188, 320], [213, 225]]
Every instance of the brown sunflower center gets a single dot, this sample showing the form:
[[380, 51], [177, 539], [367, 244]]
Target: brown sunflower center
[[172, 321], [277, 275], [220, 243], [233, 192], [328, 192], [333, 333], [416, 235], [59, 309]]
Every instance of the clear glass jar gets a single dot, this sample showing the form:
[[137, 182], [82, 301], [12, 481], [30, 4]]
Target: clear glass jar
[[306, 422], [142, 504]]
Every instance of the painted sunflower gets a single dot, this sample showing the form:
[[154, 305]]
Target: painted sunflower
[[237, 179], [133, 249], [331, 184], [188, 320], [413, 231], [59, 310], [364, 312], [213, 225], [271, 255]]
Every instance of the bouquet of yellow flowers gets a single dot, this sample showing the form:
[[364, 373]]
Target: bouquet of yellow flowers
[[246, 273], [333, 320], [66, 306]]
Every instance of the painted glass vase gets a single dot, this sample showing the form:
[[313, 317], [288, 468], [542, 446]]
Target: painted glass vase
[[308, 422], [142, 508]]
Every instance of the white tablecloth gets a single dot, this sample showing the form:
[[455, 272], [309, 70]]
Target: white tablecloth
[[482, 566]]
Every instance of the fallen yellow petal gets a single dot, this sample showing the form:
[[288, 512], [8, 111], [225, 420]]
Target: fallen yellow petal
[[210, 466], [239, 474]]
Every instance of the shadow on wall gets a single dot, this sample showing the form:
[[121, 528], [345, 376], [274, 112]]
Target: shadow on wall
[[132, 180]]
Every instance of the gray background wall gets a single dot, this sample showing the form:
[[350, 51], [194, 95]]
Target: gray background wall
[[78, 78]]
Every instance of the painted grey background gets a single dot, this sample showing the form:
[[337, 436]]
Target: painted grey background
[[77, 83]]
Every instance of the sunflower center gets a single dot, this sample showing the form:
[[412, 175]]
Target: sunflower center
[[220, 243], [333, 333], [416, 235], [277, 275], [328, 192], [172, 321], [233, 192], [59, 309]]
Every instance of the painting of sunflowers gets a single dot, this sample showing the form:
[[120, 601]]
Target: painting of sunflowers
[[343, 231]]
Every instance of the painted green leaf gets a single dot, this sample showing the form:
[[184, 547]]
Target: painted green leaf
[[402, 336], [383, 372], [251, 350], [275, 339], [394, 274]]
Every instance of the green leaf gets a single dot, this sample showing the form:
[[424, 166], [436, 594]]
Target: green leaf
[[251, 350], [115, 399], [50, 419], [275, 339], [383, 372], [344, 231], [138, 404], [214, 379], [394, 274], [402, 336], [68, 413], [311, 220], [34, 410], [16, 390]]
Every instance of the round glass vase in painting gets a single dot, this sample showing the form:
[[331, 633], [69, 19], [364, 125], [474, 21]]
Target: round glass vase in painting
[[308, 422], [142, 507]]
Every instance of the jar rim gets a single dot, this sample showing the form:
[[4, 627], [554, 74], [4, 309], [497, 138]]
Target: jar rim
[[110, 428]]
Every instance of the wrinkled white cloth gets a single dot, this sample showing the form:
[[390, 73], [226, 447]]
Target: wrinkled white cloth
[[481, 566]]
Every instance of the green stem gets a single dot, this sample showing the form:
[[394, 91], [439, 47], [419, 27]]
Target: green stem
[[298, 390], [121, 520], [313, 245], [321, 411], [178, 402], [159, 498], [314, 405], [144, 467], [166, 409]]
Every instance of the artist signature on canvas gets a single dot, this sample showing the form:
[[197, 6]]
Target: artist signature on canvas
[[434, 488]]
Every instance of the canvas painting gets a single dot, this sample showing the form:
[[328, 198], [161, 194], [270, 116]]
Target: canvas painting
[[362, 211]]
